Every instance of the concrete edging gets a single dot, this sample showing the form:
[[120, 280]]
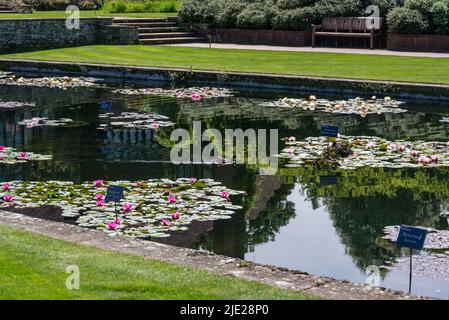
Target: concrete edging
[[324, 287], [239, 79]]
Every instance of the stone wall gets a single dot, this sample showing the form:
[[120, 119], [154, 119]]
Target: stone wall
[[25, 34], [260, 37], [405, 42]]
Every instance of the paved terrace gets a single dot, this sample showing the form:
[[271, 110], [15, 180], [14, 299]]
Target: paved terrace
[[310, 49]]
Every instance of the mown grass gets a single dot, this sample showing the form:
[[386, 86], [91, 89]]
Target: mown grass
[[34, 267], [85, 14], [338, 65]]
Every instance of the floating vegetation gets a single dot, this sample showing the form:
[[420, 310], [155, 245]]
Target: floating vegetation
[[11, 156], [44, 122], [193, 93], [348, 152], [435, 240], [151, 208], [444, 119], [358, 105], [134, 120], [52, 82], [15, 104]]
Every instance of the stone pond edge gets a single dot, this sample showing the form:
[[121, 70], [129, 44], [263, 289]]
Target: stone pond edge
[[142, 75], [324, 287]]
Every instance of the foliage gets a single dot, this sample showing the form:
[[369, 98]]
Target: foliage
[[440, 11], [62, 4], [407, 21], [115, 6], [257, 15]]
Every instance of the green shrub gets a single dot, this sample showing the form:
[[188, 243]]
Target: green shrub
[[385, 6], [422, 6], [227, 16], [120, 6], [256, 15], [338, 8], [199, 11], [407, 21], [296, 19], [440, 11]]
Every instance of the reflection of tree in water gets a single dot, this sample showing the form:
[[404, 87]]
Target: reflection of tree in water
[[277, 214], [366, 200]]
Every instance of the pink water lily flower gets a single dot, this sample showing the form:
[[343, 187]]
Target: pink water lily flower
[[117, 221], [8, 198], [391, 147], [127, 207], [291, 139], [193, 180], [6, 187], [402, 148], [154, 125], [424, 160], [100, 203], [165, 222], [176, 215], [415, 153], [98, 183], [23, 155], [171, 198], [112, 225], [434, 158], [196, 97], [290, 150], [224, 195], [370, 145], [3, 147], [99, 197]]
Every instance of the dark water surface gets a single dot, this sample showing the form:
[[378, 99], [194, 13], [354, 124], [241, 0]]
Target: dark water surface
[[290, 219]]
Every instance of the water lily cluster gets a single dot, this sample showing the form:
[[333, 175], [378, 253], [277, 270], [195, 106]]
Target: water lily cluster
[[433, 262], [134, 120], [444, 119], [51, 82], [193, 93], [357, 105], [150, 208], [44, 122], [361, 151], [10, 155], [15, 104]]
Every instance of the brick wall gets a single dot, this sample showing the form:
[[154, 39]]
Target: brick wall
[[261, 37], [25, 34], [405, 42]]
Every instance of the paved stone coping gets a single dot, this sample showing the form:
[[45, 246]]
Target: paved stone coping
[[139, 74], [56, 19], [324, 287]]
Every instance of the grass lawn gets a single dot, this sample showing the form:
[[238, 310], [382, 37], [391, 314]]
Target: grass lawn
[[374, 67], [33, 267], [83, 14]]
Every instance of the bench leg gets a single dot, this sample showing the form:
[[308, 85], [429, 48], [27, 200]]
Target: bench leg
[[371, 43], [336, 42], [313, 40]]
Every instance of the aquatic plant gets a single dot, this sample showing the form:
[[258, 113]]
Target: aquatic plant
[[134, 120], [357, 105], [193, 93], [44, 122], [144, 207], [351, 152], [9, 155], [51, 82]]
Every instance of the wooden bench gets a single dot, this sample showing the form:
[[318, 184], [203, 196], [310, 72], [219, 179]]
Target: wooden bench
[[348, 27]]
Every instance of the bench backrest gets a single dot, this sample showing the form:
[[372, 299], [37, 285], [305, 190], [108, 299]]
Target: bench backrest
[[351, 24]]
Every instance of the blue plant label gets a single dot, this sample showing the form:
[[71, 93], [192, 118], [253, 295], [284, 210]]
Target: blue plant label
[[411, 237], [105, 106], [329, 130], [115, 194], [328, 180]]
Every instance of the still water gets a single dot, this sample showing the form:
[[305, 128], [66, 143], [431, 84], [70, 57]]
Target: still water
[[288, 220]]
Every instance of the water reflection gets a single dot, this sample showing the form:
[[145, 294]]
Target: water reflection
[[292, 219]]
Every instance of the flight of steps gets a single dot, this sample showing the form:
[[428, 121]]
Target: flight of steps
[[159, 30], [6, 10]]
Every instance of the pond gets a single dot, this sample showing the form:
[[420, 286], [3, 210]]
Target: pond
[[293, 219]]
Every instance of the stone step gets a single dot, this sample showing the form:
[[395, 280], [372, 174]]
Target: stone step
[[7, 11], [165, 35], [149, 24], [138, 20], [171, 40], [160, 30]]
